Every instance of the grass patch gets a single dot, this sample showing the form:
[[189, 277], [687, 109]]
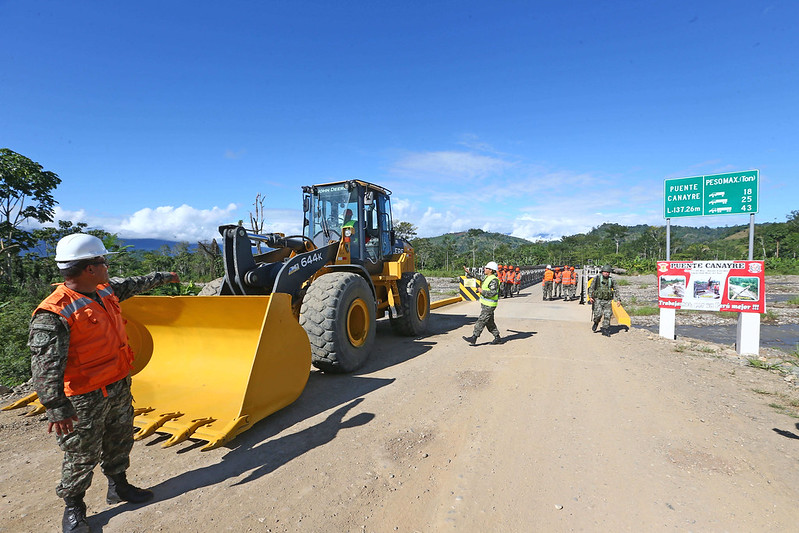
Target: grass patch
[[784, 410], [621, 282], [680, 348], [769, 317], [757, 363], [763, 392], [646, 310], [793, 301], [706, 349]]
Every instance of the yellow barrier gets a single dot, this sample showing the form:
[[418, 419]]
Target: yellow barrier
[[621, 315]]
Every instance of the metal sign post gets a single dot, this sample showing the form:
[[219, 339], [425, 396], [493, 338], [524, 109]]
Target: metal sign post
[[668, 316], [747, 335]]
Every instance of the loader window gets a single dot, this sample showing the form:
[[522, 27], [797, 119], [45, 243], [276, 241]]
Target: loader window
[[385, 225], [331, 208]]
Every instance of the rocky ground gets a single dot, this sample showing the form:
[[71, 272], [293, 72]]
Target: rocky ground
[[558, 429]]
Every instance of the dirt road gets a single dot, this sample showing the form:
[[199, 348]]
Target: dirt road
[[558, 429]]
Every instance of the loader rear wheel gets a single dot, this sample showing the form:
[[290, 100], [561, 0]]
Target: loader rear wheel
[[338, 313], [415, 302]]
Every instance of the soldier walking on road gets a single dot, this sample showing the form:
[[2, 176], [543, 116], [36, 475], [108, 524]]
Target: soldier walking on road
[[489, 297], [601, 295], [81, 361]]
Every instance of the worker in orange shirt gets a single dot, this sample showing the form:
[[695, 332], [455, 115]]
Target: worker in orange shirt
[[517, 280], [566, 282], [573, 286], [549, 278], [557, 283]]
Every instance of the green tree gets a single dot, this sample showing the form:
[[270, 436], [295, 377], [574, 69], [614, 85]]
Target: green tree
[[616, 233], [405, 230], [25, 193]]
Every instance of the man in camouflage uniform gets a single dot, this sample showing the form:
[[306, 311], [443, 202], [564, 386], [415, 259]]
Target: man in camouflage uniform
[[601, 295], [91, 410], [489, 297]]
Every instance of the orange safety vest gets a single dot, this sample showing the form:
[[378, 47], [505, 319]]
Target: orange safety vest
[[99, 353], [518, 279], [558, 276], [567, 277], [549, 275]]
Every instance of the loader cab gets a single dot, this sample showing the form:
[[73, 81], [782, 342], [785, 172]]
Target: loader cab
[[357, 207]]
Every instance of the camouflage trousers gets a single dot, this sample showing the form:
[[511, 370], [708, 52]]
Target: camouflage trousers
[[547, 290], [103, 434], [602, 310], [570, 290], [556, 290], [485, 320]]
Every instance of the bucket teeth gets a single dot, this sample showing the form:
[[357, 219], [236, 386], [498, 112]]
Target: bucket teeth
[[36, 409], [142, 410], [187, 432], [227, 433], [152, 427], [22, 402]]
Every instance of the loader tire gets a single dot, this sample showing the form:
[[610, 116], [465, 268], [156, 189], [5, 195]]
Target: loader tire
[[338, 314], [212, 288], [415, 302]]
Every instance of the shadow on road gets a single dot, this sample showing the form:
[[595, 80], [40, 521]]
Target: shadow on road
[[251, 453], [787, 434]]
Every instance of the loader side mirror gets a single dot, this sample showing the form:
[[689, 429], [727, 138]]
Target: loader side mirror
[[306, 204]]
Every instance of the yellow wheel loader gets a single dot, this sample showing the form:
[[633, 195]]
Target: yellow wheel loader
[[210, 366]]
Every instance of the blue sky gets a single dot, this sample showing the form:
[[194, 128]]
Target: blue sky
[[536, 119]]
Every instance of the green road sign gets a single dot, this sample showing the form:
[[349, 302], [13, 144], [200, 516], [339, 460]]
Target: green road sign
[[684, 197], [733, 193]]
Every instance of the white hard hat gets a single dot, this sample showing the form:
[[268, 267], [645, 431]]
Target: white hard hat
[[492, 265], [77, 246], [549, 266]]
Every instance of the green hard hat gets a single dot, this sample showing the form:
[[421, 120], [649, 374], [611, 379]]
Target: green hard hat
[[606, 268]]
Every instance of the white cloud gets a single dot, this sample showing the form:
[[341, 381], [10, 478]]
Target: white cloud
[[183, 223], [449, 165]]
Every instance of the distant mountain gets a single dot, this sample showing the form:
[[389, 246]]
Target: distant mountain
[[463, 240], [688, 235], [151, 245]]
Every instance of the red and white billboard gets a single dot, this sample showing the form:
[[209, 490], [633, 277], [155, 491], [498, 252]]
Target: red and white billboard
[[736, 286]]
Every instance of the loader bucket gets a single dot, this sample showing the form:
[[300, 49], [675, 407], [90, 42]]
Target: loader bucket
[[209, 367]]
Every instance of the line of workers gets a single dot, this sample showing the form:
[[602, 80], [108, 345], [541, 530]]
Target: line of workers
[[510, 280], [560, 283]]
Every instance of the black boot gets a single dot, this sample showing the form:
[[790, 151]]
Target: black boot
[[595, 325], [471, 340], [119, 490], [74, 520], [497, 340]]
